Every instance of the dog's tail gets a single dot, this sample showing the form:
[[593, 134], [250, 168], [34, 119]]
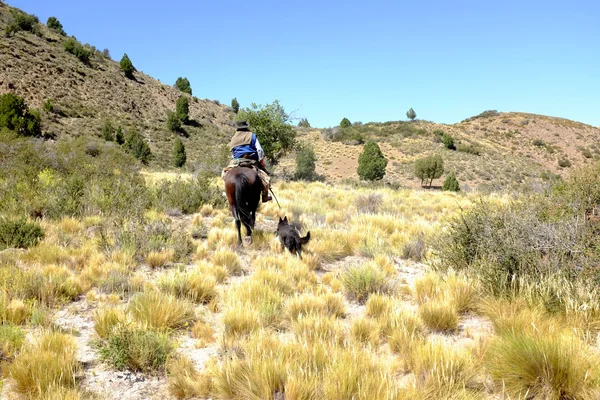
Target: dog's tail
[[305, 239]]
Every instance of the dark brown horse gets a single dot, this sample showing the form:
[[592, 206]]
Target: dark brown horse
[[243, 188]]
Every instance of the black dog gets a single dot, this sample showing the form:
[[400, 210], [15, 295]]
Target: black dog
[[290, 238]]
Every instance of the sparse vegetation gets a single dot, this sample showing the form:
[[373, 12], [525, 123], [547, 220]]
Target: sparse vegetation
[[72, 46]]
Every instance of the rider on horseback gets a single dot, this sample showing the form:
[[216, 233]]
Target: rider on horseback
[[246, 149]]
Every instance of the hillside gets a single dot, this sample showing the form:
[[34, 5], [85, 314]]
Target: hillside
[[494, 150], [38, 68]]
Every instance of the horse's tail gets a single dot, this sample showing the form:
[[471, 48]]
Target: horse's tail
[[240, 203]]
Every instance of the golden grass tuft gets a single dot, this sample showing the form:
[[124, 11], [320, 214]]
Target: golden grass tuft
[[404, 331], [439, 315], [365, 331], [310, 304], [221, 238], [427, 287], [194, 285], [318, 329], [379, 305], [207, 210], [228, 259], [462, 292], [161, 311], [105, 320], [184, 381], [16, 312], [45, 365], [159, 259], [203, 332], [239, 321], [70, 225], [11, 341], [362, 280]]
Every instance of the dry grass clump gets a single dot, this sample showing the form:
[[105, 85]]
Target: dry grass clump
[[229, 260], [439, 315], [105, 320], [318, 328], [514, 317], [332, 245], [16, 312], [195, 286], [427, 287], [462, 292], [221, 238], [159, 259], [379, 305], [362, 280], [404, 331], [310, 304], [45, 365], [207, 210], [240, 321], [544, 366], [185, 381], [161, 311], [365, 331], [203, 332]]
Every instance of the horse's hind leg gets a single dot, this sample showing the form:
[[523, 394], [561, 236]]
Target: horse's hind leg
[[238, 225], [248, 238]]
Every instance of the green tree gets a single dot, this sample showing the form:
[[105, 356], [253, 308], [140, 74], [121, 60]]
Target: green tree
[[411, 114], [54, 24], [21, 21], [173, 122], [271, 125], [429, 168], [183, 84], [16, 116], [127, 66], [179, 156], [345, 123], [119, 138], [304, 123], [448, 141], [106, 54], [451, 183], [371, 162], [235, 105], [305, 162], [108, 131], [136, 145], [182, 109], [74, 47]]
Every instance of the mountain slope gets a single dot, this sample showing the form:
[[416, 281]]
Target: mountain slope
[[38, 68]]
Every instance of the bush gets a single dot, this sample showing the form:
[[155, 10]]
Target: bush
[[173, 122], [188, 196], [303, 123], [48, 106], [183, 84], [16, 116], [127, 66], [539, 142], [429, 168], [411, 114], [119, 138], [183, 109], [448, 141], [108, 131], [106, 54], [451, 183], [179, 156], [136, 349], [564, 163], [19, 233], [54, 24], [235, 105], [485, 114], [74, 47], [468, 148], [361, 281], [271, 125], [136, 145], [305, 163], [21, 21], [345, 123], [371, 162]]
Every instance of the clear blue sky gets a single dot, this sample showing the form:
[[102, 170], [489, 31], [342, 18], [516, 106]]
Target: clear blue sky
[[367, 60]]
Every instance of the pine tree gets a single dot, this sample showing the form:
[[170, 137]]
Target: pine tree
[[345, 123], [451, 183], [411, 114], [179, 156], [136, 145], [173, 122], [371, 163], [448, 141], [127, 66], [235, 105], [119, 138], [183, 84], [183, 109]]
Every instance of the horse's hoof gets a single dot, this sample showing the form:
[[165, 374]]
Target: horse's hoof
[[248, 240]]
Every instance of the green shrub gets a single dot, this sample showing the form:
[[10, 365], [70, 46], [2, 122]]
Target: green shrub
[[183, 84], [173, 122], [136, 145], [371, 162], [305, 162], [271, 125], [179, 156], [16, 116], [411, 114], [235, 105], [54, 24], [361, 281], [127, 66], [429, 168], [448, 141], [19, 233], [539, 142], [183, 109], [21, 21], [106, 54], [72, 46], [485, 114], [136, 349], [48, 105], [451, 183], [11, 340], [303, 123], [108, 131], [119, 138], [564, 163], [468, 148], [187, 196], [345, 123]]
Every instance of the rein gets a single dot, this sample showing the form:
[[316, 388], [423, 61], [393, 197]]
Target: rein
[[275, 197]]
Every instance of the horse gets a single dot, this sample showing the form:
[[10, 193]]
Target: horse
[[243, 188]]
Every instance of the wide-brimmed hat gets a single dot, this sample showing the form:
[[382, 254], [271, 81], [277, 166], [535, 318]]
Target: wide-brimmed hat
[[241, 126]]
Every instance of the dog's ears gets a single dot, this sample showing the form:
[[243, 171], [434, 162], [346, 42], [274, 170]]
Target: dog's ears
[[285, 219], [280, 220]]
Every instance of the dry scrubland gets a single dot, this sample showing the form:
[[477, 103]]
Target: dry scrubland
[[87, 315]]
